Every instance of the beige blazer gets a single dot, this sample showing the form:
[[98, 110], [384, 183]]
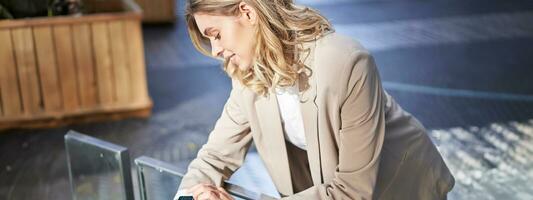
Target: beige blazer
[[360, 143]]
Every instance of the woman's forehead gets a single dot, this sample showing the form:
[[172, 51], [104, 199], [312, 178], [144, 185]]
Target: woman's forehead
[[207, 23], [204, 21], [207, 19]]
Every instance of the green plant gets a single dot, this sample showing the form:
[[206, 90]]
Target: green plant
[[10, 9], [4, 13], [25, 8], [64, 7]]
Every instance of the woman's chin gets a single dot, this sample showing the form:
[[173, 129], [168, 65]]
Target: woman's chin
[[243, 67]]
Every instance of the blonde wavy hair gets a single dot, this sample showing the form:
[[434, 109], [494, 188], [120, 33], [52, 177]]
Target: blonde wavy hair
[[282, 29]]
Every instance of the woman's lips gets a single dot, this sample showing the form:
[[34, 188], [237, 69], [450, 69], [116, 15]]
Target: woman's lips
[[228, 57], [231, 58]]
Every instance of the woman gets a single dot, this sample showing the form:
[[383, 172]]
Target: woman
[[312, 102]]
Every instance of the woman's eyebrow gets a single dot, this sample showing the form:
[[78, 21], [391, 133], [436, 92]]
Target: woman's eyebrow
[[208, 31]]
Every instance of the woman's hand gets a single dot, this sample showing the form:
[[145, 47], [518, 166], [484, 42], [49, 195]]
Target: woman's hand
[[204, 191]]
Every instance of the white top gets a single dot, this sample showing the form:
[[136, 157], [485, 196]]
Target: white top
[[291, 115]]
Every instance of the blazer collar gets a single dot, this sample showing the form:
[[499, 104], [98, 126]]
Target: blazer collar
[[272, 132]]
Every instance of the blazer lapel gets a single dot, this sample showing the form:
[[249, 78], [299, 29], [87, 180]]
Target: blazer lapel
[[310, 115], [272, 133], [273, 137]]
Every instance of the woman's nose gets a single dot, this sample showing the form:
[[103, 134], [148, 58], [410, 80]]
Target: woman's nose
[[216, 51]]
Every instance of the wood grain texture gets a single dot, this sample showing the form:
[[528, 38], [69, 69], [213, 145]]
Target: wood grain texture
[[96, 115], [27, 70], [85, 65], [67, 67], [48, 72], [1, 112], [121, 69], [61, 68], [137, 61], [104, 70], [158, 10], [10, 94]]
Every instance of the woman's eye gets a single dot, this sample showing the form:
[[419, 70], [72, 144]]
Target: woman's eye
[[217, 37]]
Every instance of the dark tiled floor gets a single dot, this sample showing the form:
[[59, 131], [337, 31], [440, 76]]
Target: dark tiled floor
[[474, 92]]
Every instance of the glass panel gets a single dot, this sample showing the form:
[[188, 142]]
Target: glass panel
[[159, 180], [97, 169], [156, 183]]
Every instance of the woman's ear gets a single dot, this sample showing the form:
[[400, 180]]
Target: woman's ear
[[248, 12]]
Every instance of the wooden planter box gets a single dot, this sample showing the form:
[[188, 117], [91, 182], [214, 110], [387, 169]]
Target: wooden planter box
[[156, 11], [60, 70]]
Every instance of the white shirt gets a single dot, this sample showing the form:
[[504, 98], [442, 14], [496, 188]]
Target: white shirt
[[291, 115]]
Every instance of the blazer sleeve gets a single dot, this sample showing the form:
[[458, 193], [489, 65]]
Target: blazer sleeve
[[225, 149], [361, 135]]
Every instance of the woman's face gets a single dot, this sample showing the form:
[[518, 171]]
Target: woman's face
[[231, 37]]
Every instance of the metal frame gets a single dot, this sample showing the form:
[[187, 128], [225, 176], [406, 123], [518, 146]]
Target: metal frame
[[161, 166], [119, 152]]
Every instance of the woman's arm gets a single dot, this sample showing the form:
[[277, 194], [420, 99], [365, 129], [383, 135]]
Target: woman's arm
[[225, 148], [361, 135]]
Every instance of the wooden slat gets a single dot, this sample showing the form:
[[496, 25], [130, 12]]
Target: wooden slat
[[104, 70], [44, 47], [67, 67], [67, 20], [169, 7], [94, 115], [10, 95], [158, 10], [136, 61], [151, 10], [85, 65], [27, 70], [121, 70], [1, 112]]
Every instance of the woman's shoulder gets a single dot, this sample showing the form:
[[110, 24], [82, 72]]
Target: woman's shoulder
[[335, 51], [336, 54], [338, 44], [339, 61]]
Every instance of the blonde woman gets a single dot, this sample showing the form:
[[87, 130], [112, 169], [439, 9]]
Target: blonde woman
[[312, 102]]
